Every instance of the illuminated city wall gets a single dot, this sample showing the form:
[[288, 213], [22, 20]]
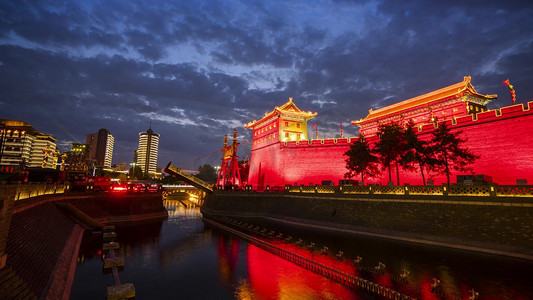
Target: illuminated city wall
[[503, 138], [265, 167], [305, 163]]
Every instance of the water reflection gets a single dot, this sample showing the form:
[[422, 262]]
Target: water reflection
[[493, 276], [181, 257], [272, 277]]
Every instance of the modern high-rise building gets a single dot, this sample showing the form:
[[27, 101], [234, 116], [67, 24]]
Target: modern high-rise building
[[23, 146], [147, 152], [101, 147]]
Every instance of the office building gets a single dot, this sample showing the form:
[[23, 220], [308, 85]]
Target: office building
[[147, 152], [101, 148]]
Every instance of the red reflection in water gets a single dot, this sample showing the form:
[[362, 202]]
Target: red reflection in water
[[272, 277], [228, 254]]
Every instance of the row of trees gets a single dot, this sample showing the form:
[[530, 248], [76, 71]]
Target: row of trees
[[402, 148]]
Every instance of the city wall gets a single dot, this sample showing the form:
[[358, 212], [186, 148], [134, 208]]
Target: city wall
[[487, 221], [502, 137]]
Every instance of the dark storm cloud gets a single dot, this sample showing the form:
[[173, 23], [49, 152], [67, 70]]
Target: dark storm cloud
[[196, 70]]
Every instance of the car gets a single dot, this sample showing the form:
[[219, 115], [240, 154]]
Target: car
[[138, 187], [118, 187], [153, 187]]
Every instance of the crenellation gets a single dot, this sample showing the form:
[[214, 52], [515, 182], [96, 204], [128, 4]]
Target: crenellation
[[513, 109], [486, 115]]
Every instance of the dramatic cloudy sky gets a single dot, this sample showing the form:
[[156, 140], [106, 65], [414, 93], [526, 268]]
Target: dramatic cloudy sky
[[198, 69]]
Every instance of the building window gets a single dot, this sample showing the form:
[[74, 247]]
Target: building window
[[286, 134], [286, 124], [298, 125]]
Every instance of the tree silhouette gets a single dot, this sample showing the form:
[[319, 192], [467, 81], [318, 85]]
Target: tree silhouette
[[207, 173], [417, 152], [448, 152], [360, 160], [390, 147], [136, 172]]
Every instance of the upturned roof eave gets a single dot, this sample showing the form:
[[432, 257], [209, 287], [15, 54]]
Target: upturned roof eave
[[277, 111], [462, 87]]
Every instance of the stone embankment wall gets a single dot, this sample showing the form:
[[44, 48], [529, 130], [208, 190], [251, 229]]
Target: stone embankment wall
[[41, 240], [500, 225]]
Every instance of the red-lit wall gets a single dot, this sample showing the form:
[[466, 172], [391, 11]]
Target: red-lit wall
[[306, 163], [503, 138]]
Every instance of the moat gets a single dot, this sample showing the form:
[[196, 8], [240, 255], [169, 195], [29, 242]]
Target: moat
[[184, 257]]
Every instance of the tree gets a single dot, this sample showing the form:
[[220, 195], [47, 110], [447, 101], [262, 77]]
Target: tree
[[136, 172], [207, 173], [171, 180], [390, 147], [360, 160], [448, 151], [417, 152]]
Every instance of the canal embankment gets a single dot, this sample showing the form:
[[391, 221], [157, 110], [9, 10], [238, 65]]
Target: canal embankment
[[45, 233], [489, 224]]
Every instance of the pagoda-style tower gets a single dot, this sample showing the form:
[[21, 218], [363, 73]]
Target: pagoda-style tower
[[283, 124], [448, 103], [286, 123]]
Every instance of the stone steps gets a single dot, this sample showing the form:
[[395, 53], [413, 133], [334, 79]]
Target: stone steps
[[36, 240], [12, 286]]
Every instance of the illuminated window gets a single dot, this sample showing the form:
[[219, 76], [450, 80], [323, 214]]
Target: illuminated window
[[286, 134], [270, 127], [477, 108], [299, 135], [274, 135], [274, 125], [298, 125]]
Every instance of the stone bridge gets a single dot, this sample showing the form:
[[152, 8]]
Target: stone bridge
[[183, 195]]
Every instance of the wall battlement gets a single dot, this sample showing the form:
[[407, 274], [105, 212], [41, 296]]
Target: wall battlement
[[513, 111], [319, 143]]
